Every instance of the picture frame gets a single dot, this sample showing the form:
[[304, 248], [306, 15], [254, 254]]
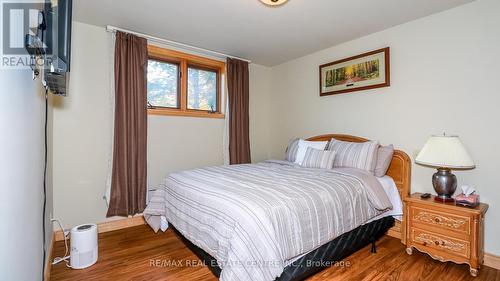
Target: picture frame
[[357, 73]]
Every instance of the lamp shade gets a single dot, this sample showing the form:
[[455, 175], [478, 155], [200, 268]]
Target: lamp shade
[[446, 152], [274, 2]]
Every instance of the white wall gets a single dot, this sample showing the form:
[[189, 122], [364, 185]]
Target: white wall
[[260, 110], [82, 129], [82, 132], [444, 78], [21, 176]]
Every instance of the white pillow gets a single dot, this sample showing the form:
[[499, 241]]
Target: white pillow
[[303, 145]]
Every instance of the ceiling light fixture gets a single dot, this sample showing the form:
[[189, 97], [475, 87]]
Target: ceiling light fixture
[[274, 2]]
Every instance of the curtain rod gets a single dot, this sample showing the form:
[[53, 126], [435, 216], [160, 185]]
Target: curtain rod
[[110, 28]]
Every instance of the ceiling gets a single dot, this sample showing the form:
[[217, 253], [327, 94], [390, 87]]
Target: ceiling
[[249, 29]]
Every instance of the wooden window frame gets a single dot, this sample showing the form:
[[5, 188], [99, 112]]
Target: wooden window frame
[[184, 60]]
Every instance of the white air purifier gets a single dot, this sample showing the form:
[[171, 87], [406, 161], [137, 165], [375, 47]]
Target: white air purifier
[[83, 246]]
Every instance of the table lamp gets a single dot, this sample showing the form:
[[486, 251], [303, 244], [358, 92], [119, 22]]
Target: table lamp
[[444, 153]]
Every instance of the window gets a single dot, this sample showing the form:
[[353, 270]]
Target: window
[[202, 89], [163, 84], [184, 85]]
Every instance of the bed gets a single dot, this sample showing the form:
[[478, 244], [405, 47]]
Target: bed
[[274, 220]]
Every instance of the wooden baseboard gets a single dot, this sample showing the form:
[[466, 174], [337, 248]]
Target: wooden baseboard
[[394, 233], [110, 226], [492, 261], [48, 262]]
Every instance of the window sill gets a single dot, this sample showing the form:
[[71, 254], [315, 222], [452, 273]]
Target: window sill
[[185, 113]]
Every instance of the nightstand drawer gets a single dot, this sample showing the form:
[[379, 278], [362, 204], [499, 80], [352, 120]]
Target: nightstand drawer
[[446, 221], [440, 243]]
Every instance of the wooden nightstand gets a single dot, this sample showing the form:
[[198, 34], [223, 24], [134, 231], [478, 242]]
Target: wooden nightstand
[[444, 231]]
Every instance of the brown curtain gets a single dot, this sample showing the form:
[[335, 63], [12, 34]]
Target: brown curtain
[[128, 182], [238, 94]]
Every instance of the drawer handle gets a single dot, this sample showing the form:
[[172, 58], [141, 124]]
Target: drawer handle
[[437, 220], [428, 239], [437, 242]]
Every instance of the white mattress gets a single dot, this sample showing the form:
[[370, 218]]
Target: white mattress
[[392, 192]]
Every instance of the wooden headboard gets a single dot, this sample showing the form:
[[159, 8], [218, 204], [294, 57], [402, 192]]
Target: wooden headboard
[[399, 170]]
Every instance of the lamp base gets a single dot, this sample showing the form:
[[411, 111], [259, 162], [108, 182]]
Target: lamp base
[[445, 184], [444, 199]]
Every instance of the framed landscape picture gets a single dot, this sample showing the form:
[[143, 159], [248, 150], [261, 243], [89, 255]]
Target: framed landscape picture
[[366, 71]]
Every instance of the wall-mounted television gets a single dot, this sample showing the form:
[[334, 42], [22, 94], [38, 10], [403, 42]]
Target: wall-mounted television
[[57, 38]]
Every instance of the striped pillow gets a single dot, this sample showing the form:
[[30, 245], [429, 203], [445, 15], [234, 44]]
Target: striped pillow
[[303, 145], [291, 150], [355, 155], [317, 158]]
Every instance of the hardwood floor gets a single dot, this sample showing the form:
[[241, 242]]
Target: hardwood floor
[[137, 253]]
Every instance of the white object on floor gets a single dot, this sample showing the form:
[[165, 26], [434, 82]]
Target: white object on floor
[[163, 223], [83, 246]]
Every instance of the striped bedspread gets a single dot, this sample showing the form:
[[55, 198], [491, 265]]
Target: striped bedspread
[[254, 218]]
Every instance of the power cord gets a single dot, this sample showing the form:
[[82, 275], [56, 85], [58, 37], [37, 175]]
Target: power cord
[[45, 184], [66, 256]]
